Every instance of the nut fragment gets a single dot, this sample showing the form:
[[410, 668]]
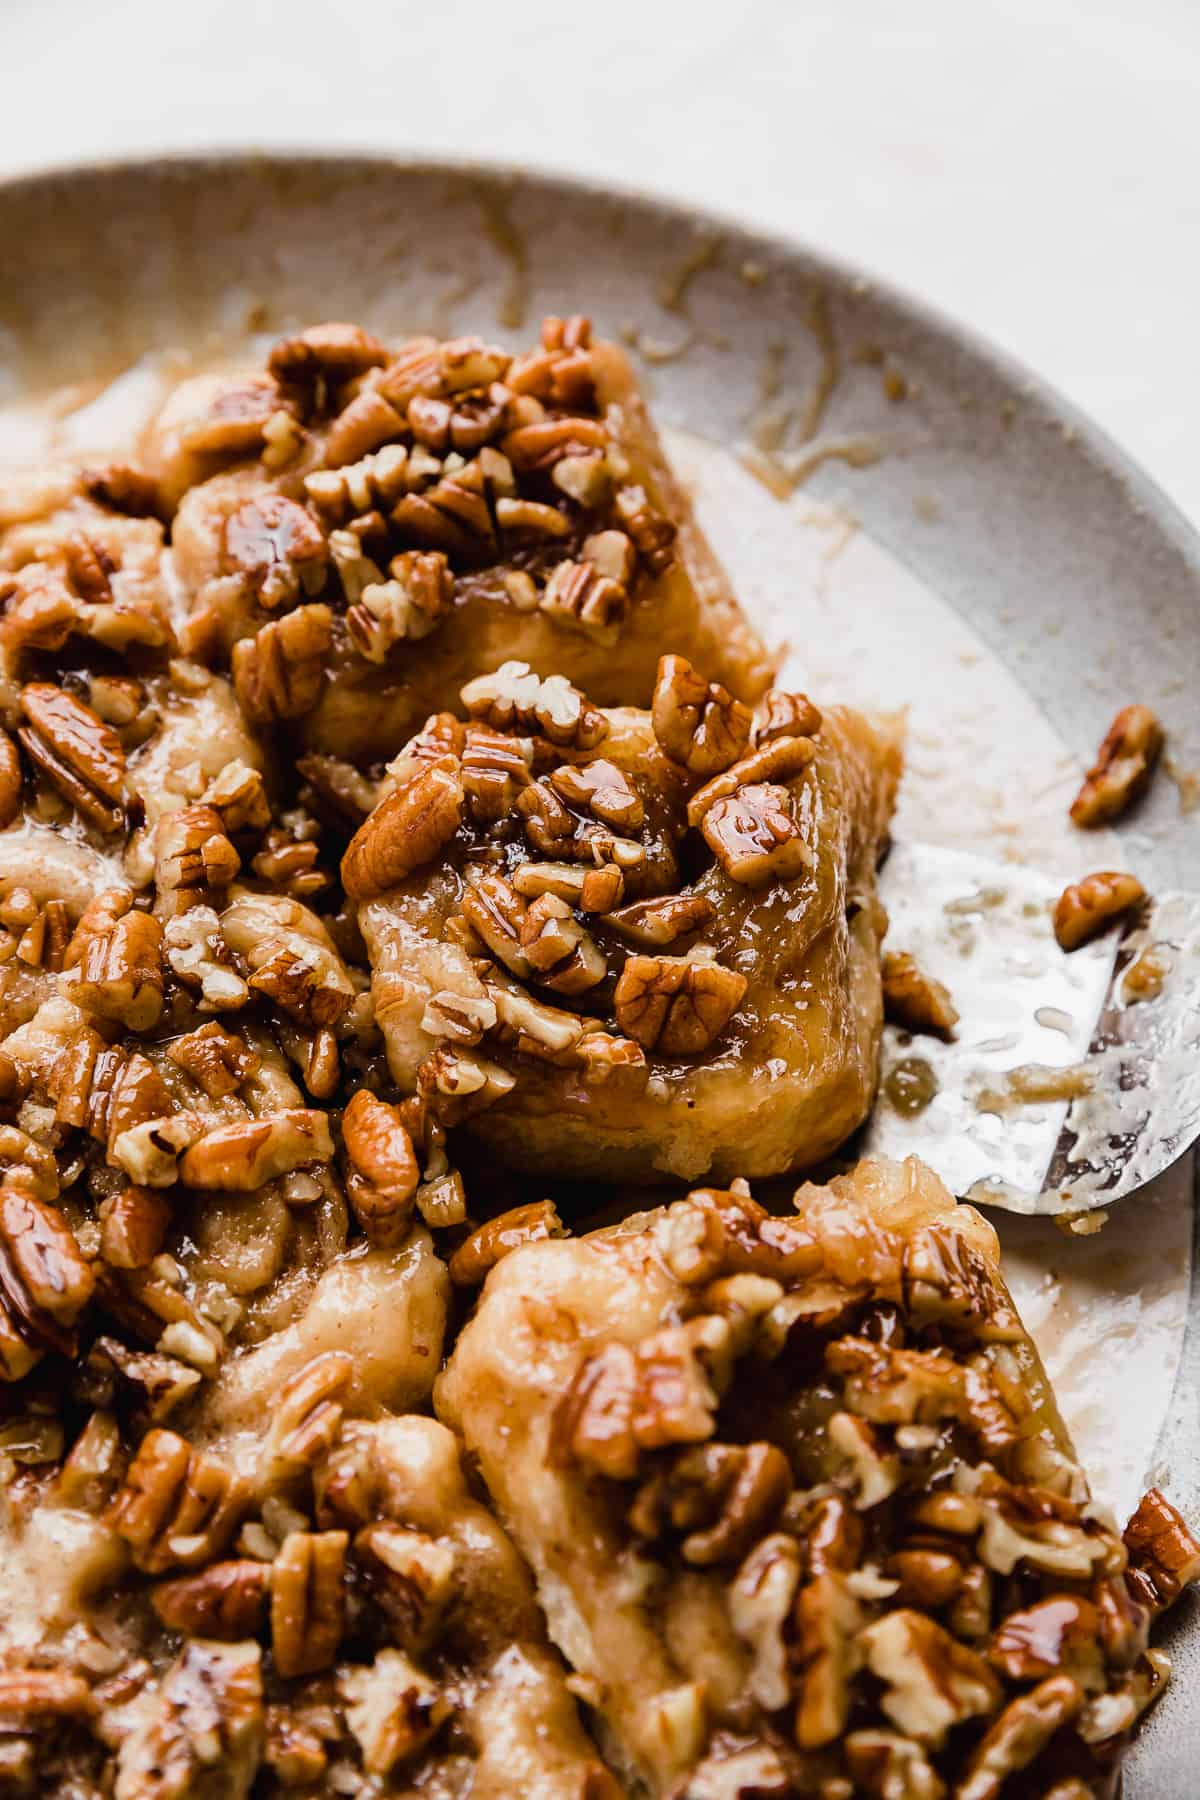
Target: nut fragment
[[723, 1496], [243, 1156], [602, 789], [224, 1601], [676, 1006], [931, 1682], [659, 922], [698, 723], [133, 1227], [1089, 907], [384, 1173], [277, 548], [886, 1766], [278, 672], [308, 1601], [405, 608], [117, 953], [77, 752], [333, 351], [478, 1254], [406, 830], [1122, 769], [580, 597], [392, 1708], [515, 699], [177, 1507], [781, 714], [206, 1716], [218, 1060], [562, 955], [10, 781], [1164, 1556], [915, 1000], [45, 1284], [755, 836], [1022, 1730], [307, 1417]]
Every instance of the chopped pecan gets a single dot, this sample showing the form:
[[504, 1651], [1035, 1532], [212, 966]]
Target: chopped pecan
[[456, 1083], [244, 1155], [277, 548], [478, 1254], [331, 352], [10, 780], [652, 532], [372, 484], [118, 955], [43, 1695], [205, 1721], [1089, 907], [775, 762], [602, 789], [193, 858], [366, 424], [827, 1655], [760, 1599], [295, 1751], [931, 1682], [225, 1601], [410, 1576], [307, 1417], [123, 487], [278, 672], [45, 1284], [495, 767], [406, 830], [405, 608], [659, 922], [781, 714], [347, 795], [561, 954], [1164, 1556], [915, 1000], [177, 1507], [383, 1177], [463, 1017], [133, 1227], [308, 1601], [515, 699], [756, 837], [1020, 1733], [874, 1472], [1054, 1636], [698, 723], [157, 1383], [199, 956], [1122, 769], [724, 1496], [540, 443], [392, 1708], [886, 1766], [219, 1061], [604, 1058], [674, 1005], [77, 752], [579, 597], [494, 909], [453, 515], [624, 1400], [546, 1032]]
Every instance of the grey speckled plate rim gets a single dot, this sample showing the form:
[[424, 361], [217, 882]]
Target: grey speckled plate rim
[[1037, 508]]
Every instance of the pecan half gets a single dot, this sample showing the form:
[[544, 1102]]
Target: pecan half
[[490, 1242], [1164, 1556], [133, 1227], [674, 1005], [333, 352], [225, 1601], [776, 761], [307, 1416], [915, 1000], [781, 714], [698, 723], [177, 1507], [406, 830], [194, 860], [1089, 907], [755, 836], [45, 1284], [118, 955], [217, 1060], [244, 1155], [652, 532], [384, 1174], [602, 789], [1020, 1733], [278, 673], [77, 752], [1122, 769], [308, 1601], [495, 768], [277, 548]]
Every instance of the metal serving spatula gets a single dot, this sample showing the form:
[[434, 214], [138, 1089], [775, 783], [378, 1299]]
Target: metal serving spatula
[[1060, 1092]]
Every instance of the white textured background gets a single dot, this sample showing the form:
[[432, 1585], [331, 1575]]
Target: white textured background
[[1032, 166]]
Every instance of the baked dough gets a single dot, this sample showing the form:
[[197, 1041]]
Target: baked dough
[[709, 1003], [803, 1513]]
